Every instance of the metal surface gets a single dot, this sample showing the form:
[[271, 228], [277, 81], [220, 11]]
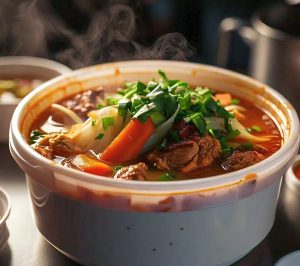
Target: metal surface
[[27, 247], [274, 59]]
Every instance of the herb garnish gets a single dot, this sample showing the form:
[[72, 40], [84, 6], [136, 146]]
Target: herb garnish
[[107, 122], [235, 101], [99, 136], [35, 135], [161, 99], [118, 167], [99, 106], [256, 128], [167, 177]]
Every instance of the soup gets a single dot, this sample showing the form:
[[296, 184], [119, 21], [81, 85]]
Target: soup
[[10, 89], [160, 131]]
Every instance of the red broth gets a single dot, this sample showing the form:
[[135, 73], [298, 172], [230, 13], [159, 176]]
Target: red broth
[[297, 171]]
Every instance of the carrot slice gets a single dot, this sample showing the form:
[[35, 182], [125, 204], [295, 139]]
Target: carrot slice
[[129, 143], [224, 98], [90, 165]]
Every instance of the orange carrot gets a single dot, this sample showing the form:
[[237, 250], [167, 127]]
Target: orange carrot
[[224, 98], [90, 165], [129, 143]]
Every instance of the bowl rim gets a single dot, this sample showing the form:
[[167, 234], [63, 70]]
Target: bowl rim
[[278, 158], [32, 61]]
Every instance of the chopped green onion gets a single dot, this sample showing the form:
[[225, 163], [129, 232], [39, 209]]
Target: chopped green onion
[[235, 101], [94, 122], [99, 106], [118, 167], [144, 112], [164, 102], [123, 113], [124, 105], [212, 133], [167, 177], [107, 122], [99, 136], [111, 101], [160, 100], [35, 135], [256, 128], [163, 77], [232, 134], [157, 117], [199, 122], [247, 145]]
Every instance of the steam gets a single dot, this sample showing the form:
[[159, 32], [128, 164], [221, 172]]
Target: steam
[[110, 36]]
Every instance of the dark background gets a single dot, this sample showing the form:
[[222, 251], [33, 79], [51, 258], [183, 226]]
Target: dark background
[[197, 20]]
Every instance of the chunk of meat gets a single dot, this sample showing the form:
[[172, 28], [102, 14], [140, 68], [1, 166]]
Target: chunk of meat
[[239, 160], [186, 131], [174, 156], [209, 150], [56, 144], [187, 155], [83, 103], [132, 172]]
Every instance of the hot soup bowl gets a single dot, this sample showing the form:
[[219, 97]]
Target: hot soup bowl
[[23, 67], [102, 221]]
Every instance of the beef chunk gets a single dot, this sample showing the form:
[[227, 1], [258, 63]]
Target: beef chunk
[[209, 150], [56, 144], [174, 156], [187, 155], [132, 172], [84, 102], [239, 160]]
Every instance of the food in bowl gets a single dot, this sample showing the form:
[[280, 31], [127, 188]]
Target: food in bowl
[[170, 223], [160, 131], [18, 76], [13, 89]]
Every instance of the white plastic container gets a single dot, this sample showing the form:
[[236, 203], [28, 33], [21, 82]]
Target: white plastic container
[[24, 67], [101, 221]]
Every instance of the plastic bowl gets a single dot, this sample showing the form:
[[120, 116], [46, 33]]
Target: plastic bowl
[[96, 220], [24, 67]]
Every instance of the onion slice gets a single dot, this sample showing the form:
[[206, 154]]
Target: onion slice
[[67, 112], [233, 107], [159, 133], [215, 123], [244, 134]]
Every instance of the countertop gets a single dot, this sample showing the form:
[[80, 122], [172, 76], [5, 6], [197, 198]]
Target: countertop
[[26, 246]]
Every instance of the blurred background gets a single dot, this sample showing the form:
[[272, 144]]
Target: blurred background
[[55, 28], [261, 39]]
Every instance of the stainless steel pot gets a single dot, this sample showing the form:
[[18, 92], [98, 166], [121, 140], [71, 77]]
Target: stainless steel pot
[[274, 39]]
